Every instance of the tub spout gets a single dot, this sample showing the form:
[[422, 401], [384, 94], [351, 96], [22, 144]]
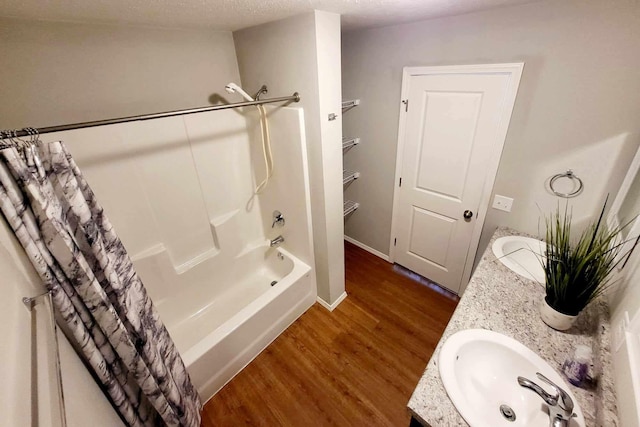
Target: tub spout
[[276, 241]]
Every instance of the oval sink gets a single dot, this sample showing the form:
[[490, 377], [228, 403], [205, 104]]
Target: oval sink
[[522, 255], [480, 370]]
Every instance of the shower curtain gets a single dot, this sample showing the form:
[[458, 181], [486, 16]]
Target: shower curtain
[[99, 298]]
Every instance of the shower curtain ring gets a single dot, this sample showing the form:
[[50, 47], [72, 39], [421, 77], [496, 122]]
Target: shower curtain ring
[[33, 135], [14, 137], [28, 132], [19, 142], [3, 137]]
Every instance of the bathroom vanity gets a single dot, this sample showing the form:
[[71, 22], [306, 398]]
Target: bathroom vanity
[[500, 300]]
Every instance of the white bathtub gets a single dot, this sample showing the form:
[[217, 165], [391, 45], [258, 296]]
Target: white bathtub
[[180, 192], [198, 233], [231, 328]]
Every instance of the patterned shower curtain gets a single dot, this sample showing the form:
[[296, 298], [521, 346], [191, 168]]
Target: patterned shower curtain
[[98, 296]]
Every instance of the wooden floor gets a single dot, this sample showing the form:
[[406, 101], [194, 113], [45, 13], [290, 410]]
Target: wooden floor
[[355, 366]]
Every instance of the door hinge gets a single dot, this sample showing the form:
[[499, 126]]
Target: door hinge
[[400, 183], [406, 105], [395, 240]]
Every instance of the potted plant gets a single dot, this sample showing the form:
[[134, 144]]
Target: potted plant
[[578, 270]]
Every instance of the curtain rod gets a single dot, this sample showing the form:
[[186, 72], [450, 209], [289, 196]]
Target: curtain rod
[[18, 133]]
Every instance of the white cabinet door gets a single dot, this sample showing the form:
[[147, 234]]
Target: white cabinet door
[[452, 132]]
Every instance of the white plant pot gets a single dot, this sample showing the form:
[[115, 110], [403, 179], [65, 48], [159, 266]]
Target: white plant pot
[[554, 318]]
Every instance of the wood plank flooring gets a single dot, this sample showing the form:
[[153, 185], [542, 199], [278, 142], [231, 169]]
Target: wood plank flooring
[[355, 366]]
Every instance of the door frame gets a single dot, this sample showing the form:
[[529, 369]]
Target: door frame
[[515, 72]]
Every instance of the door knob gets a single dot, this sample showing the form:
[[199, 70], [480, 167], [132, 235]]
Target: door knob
[[467, 214]]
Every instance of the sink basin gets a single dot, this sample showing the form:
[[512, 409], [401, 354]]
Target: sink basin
[[479, 370], [523, 255]]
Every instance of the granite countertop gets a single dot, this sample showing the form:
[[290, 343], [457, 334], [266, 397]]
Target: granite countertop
[[499, 300]]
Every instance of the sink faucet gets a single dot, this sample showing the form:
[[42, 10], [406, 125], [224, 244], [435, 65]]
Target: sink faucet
[[276, 241], [560, 403]]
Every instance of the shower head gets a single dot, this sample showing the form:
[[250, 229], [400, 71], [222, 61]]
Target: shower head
[[232, 87]]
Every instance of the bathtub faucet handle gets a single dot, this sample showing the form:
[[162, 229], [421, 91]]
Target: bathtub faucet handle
[[278, 219]]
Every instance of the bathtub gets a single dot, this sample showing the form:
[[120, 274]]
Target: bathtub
[[268, 289], [180, 192]]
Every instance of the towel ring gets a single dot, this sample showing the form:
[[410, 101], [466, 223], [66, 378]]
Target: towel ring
[[568, 174]]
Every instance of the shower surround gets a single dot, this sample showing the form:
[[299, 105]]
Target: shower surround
[[179, 192]]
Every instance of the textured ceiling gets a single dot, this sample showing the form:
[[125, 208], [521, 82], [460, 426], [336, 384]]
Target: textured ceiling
[[237, 14]]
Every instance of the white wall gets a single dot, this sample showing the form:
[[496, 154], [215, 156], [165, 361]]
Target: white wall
[[84, 401], [66, 73], [173, 188], [577, 106], [328, 50], [178, 190], [626, 297], [302, 54]]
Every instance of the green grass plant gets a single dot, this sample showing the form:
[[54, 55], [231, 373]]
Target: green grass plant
[[579, 270]]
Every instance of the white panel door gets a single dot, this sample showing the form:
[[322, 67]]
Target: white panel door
[[452, 128]]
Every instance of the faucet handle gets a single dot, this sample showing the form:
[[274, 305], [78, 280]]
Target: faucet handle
[[564, 399], [549, 399], [278, 219]]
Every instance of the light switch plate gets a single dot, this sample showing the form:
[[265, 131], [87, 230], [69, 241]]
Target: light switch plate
[[502, 203]]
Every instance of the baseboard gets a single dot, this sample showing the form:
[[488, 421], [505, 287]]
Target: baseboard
[[333, 306], [367, 248]]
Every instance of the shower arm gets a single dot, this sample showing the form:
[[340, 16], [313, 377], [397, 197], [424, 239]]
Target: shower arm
[[260, 91]]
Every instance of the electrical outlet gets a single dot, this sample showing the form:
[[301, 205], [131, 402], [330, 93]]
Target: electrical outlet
[[502, 203]]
